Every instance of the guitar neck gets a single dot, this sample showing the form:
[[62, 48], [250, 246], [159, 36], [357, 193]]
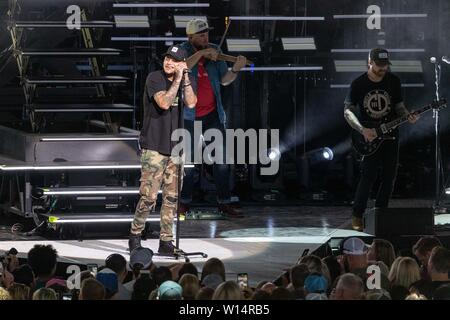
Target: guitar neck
[[399, 121]]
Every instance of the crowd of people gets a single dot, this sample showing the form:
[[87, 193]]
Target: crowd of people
[[421, 273]]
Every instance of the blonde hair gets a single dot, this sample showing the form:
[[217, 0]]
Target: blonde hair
[[4, 294], [45, 294], [384, 251], [415, 296], [19, 291], [190, 285], [394, 267], [408, 272], [228, 290]]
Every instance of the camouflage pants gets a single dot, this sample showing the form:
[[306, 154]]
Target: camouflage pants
[[157, 171]]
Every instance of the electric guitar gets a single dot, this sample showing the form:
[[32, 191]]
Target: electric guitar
[[384, 129]]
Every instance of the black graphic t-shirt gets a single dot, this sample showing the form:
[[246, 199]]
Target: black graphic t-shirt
[[375, 101], [158, 124]]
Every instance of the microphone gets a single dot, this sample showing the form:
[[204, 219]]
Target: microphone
[[433, 60], [446, 59], [187, 71]]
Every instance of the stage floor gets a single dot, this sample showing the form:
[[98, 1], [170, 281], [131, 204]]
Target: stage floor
[[262, 244]]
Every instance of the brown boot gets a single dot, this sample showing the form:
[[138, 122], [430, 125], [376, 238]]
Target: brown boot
[[357, 223]]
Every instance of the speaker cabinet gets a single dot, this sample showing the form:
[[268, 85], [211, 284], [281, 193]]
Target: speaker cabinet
[[399, 221]]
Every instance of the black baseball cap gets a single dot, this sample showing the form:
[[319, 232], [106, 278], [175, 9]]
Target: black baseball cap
[[176, 52], [380, 56]]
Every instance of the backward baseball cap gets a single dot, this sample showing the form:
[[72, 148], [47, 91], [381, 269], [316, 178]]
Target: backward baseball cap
[[170, 290], [354, 246], [142, 256], [197, 26]]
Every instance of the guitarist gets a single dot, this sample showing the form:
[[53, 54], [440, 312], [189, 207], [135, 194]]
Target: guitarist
[[375, 96]]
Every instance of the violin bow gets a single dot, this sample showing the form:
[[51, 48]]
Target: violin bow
[[228, 22], [230, 58]]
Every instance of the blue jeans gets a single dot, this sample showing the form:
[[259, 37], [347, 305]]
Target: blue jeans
[[221, 172]]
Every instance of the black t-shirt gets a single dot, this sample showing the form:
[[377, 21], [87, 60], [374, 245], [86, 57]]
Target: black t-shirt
[[158, 124], [375, 100]]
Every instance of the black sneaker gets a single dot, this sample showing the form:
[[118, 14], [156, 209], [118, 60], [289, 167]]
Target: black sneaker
[[150, 234], [183, 208], [134, 241], [166, 248]]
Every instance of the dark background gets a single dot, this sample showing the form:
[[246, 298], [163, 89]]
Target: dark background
[[302, 105]]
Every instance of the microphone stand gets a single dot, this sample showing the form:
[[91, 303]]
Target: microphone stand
[[438, 165]]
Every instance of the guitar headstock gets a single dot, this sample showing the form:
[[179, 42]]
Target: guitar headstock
[[442, 103]]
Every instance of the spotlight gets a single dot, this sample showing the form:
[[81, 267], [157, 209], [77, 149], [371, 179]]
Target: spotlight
[[320, 155], [274, 154], [327, 154]]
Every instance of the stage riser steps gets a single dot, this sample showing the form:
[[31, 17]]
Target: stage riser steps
[[68, 52], [88, 191], [48, 108], [75, 80], [61, 24]]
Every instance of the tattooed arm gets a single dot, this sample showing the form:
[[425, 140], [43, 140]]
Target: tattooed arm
[[352, 120], [164, 99], [190, 98]]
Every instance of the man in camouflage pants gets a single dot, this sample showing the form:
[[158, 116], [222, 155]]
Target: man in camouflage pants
[[160, 168]]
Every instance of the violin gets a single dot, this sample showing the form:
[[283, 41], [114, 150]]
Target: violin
[[226, 57]]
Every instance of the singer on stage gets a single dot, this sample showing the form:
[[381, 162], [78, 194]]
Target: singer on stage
[[159, 166], [374, 96]]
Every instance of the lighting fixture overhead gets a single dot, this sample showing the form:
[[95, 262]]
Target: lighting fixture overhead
[[368, 50], [410, 66], [365, 16], [131, 21], [306, 68], [243, 45], [149, 39], [276, 18], [161, 5], [298, 43]]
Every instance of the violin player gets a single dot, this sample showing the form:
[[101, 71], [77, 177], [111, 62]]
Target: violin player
[[211, 72]]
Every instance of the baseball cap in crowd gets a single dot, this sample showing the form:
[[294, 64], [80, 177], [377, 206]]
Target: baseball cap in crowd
[[316, 283], [56, 281], [212, 281], [380, 56], [197, 26], [108, 279], [316, 296], [142, 256], [176, 52], [170, 290], [354, 246]]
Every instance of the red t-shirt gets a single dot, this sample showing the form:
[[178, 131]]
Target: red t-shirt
[[206, 101]]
